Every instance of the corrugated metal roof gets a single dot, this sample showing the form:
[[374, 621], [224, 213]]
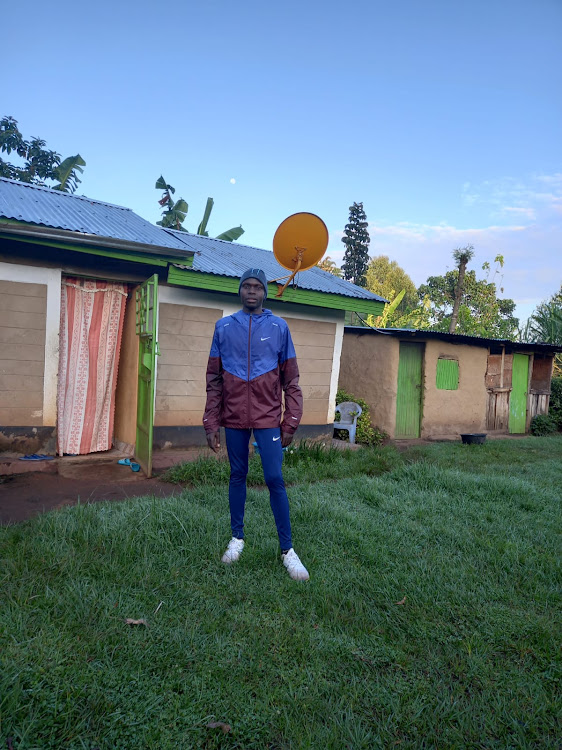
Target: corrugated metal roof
[[232, 259], [43, 206], [455, 338], [52, 208]]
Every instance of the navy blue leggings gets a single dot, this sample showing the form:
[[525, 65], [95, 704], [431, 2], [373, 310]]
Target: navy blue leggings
[[271, 453]]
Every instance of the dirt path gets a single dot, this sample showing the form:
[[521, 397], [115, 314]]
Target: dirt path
[[23, 496]]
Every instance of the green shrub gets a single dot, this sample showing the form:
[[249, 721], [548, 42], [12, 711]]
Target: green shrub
[[366, 433], [555, 408], [543, 424]]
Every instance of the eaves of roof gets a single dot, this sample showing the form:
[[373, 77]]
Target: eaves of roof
[[62, 237], [454, 338]]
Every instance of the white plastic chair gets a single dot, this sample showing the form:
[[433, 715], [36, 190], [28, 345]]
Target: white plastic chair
[[349, 412]]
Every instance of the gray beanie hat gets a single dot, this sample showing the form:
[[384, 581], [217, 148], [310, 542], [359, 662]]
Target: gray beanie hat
[[254, 273]]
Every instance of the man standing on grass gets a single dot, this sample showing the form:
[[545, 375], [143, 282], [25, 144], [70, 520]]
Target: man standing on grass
[[251, 364]]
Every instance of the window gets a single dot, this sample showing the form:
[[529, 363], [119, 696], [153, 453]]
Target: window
[[447, 374]]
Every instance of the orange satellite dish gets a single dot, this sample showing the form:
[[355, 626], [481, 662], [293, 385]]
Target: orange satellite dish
[[299, 243]]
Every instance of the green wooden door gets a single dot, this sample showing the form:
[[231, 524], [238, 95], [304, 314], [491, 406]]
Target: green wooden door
[[146, 327], [518, 395], [409, 395]]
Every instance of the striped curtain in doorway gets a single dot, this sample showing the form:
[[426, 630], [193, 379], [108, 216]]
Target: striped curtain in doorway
[[92, 314]]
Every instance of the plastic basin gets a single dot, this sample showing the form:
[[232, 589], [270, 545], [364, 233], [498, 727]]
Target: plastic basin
[[474, 438]]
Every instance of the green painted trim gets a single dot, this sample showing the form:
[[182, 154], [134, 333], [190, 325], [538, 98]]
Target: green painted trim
[[95, 251], [200, 280]]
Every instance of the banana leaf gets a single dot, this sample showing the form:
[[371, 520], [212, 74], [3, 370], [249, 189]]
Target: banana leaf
[[161, 184], [202, 229], [66, 172], [231, 235]]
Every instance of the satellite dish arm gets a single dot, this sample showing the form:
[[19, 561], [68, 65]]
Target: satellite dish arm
[[298, 264]]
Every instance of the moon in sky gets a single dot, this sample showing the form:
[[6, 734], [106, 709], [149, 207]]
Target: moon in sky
[[232, 181]]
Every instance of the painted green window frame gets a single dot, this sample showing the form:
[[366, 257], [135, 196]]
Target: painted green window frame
[[447, 376]]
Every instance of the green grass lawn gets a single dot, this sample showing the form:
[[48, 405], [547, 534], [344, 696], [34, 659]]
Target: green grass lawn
[[467, 537]]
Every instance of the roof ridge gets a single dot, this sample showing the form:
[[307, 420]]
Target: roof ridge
[[62, 193], [179, 232]]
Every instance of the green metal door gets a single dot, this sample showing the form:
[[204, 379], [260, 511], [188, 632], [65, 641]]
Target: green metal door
[[518, 395], [409, 395], [146, 325]]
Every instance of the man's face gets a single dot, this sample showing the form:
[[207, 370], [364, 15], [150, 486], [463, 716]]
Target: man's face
[[252, 294]]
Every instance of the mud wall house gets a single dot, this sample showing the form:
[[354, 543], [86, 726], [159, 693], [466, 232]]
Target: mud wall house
[[427, 384], [106, 323]]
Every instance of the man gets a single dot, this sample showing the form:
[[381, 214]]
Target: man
[[251, 364]]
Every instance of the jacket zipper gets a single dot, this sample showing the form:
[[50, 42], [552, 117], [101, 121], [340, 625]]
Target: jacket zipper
[[249, 352]]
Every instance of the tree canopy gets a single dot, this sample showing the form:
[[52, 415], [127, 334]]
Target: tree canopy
[[387, 279], [545, 324], [38, 165], [480, 312], [356, 240]]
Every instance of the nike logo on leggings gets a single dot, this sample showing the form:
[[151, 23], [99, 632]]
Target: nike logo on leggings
[[274, 439]]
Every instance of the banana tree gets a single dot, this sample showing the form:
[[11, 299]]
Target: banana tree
[[175, 213], [381, 321], [416, 318], [230, 235], [66, 173]]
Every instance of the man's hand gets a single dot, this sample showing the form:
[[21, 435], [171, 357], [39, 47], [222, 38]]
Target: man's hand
[[214, 441], [286, 439]]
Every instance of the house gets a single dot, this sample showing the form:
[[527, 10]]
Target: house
[[428, 384], [106, 322]]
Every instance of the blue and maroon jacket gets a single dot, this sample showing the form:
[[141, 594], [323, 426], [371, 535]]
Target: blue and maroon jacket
[[251, 364]]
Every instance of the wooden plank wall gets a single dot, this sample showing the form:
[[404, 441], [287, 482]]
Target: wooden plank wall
[[23, 317], [497, 416], [314, 344], [541, 373], [493, 373], [538, 404], [539, 392], [497, 413], [184, 336]]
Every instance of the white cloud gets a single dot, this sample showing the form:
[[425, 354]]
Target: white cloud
[[528, 213], [535, 196]]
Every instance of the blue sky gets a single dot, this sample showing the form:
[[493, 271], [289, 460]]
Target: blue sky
[[443, 118]]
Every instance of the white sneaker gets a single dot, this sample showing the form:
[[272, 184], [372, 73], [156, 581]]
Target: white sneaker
[[295, 568], [233, 551]]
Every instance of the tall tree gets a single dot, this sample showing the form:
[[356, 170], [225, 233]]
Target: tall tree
[[462, 256], [356, 240], [39, 165], [481, 312], [174, 214], [387, 279]]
